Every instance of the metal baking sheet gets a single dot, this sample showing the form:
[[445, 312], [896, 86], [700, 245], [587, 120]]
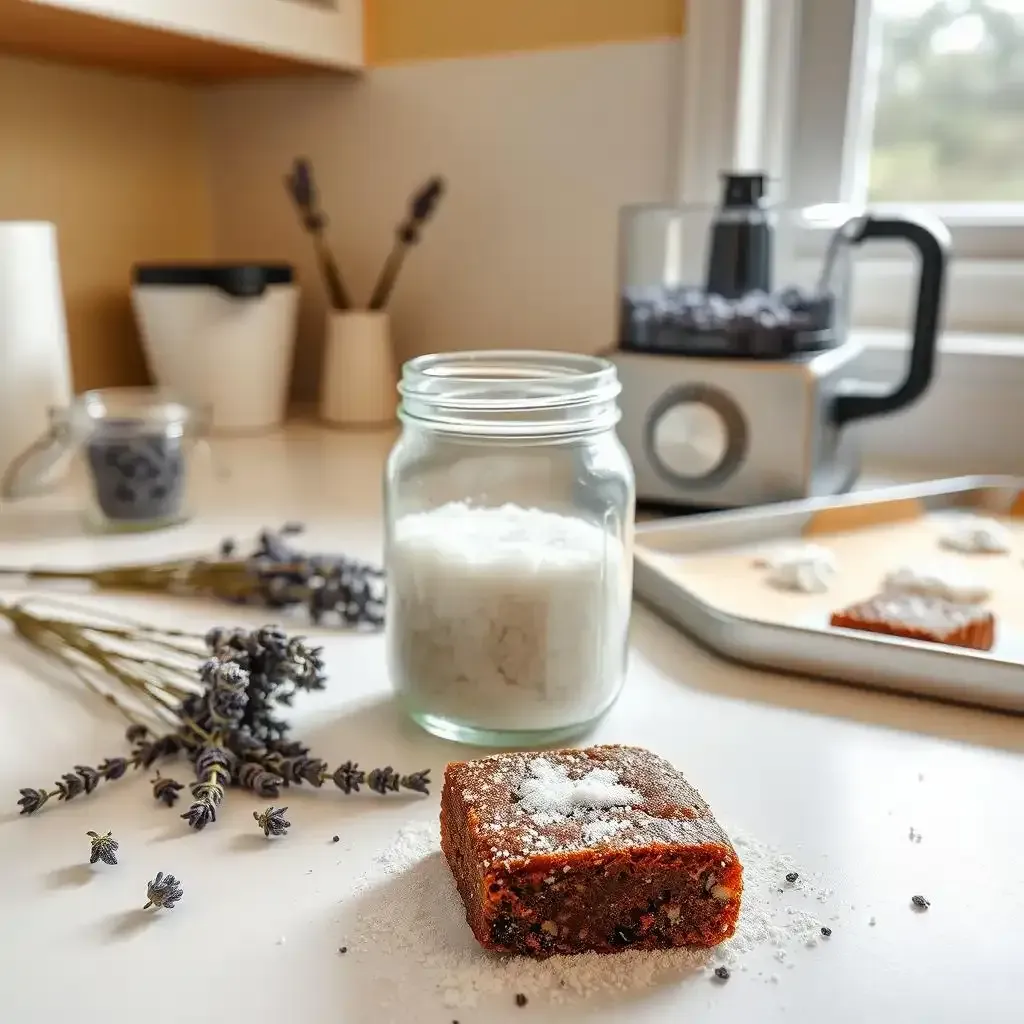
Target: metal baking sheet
[[994, 679]]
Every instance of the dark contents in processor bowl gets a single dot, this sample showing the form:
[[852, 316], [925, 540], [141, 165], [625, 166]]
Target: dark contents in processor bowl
[[690, 321], [138, 471]]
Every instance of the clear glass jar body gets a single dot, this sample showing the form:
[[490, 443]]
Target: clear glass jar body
[[509, 523], [130, 447]]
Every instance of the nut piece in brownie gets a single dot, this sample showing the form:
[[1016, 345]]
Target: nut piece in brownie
[[918, 617], [569, 851]]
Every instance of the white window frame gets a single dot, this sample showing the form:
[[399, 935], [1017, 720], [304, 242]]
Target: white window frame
[[767, 84]]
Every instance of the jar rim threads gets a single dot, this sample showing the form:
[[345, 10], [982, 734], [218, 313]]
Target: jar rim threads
[[511, 392]]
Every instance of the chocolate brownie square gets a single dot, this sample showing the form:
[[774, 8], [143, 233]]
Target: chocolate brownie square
[[602, 850], [917, 617]]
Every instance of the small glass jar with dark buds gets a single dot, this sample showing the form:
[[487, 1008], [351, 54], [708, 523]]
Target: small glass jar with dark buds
[[135, 447]]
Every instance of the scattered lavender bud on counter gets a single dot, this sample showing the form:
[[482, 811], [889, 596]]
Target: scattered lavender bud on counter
[[272, 821], [163, 892], [920, 903], [166, 790], [104, 848], [722, 973]]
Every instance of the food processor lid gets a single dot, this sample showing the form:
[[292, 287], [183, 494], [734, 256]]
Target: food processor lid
[[740, 191], [239, 280]]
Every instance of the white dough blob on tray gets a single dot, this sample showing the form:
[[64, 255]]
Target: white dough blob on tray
[[977, 535], [804, 568], [947, 582]]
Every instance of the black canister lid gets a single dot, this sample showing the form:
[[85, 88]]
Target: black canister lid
[[241, 280], [744, 190]]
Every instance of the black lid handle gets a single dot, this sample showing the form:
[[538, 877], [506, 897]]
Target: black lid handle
[[930, 237]]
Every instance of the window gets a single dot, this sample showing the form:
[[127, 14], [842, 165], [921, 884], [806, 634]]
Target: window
[[897, 103], [949, 107]]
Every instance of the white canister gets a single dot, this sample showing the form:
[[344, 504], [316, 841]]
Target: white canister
[[35, 371], [359, 386], [220, 336]]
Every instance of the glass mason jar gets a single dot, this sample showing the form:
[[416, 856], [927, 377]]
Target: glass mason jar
[[509, 527], [133, 446]]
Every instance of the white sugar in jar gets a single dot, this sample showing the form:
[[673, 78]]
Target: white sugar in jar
[[509, 546]]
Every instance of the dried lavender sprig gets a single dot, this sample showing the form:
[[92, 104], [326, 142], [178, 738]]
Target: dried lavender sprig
[[348, 777], [214, 772], [273, 575], [301, 186], [84, 779], [421, 208]]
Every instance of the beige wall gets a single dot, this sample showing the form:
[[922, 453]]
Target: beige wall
[[118, 162], [540, 150]]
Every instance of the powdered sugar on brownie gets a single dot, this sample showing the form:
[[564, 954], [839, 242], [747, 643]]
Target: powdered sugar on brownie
[[563, 801], [548, 791]]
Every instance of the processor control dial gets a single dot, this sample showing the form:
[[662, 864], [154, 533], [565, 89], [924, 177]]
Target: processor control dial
[[696, 436]]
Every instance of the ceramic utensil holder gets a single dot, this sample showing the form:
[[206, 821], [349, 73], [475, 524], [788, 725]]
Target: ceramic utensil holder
[[359, 377]]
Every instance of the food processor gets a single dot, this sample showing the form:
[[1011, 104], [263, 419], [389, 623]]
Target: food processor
[[734, 349]]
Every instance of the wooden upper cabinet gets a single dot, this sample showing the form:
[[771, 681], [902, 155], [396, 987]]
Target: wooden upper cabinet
[[203, 40]]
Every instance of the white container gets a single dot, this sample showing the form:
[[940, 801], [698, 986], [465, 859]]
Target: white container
[[35, 371], [359, 386], [221, 336]]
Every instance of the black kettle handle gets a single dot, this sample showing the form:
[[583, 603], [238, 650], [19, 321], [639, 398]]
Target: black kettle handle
[[931, 239]]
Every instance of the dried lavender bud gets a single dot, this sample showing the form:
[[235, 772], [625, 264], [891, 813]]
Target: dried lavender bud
[[32, 799], [200, 814], [104, 848], [262, 783], [208, 791], [348, 778], [214, 758], [163, 892], [166, 746], [166, 790], [90, 777], [418, 782], [69, 786], [301, 769], [136, 733], [272, 821], [383, 780], [112, 768], [920, 903]]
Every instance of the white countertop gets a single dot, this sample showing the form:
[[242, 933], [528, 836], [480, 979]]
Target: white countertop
[[833, 776]]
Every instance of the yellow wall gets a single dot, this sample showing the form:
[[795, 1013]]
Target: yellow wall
[[119, 163], [124, 164], [399, 31]]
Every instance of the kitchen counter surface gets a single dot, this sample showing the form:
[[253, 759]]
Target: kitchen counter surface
[[839, 780]]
